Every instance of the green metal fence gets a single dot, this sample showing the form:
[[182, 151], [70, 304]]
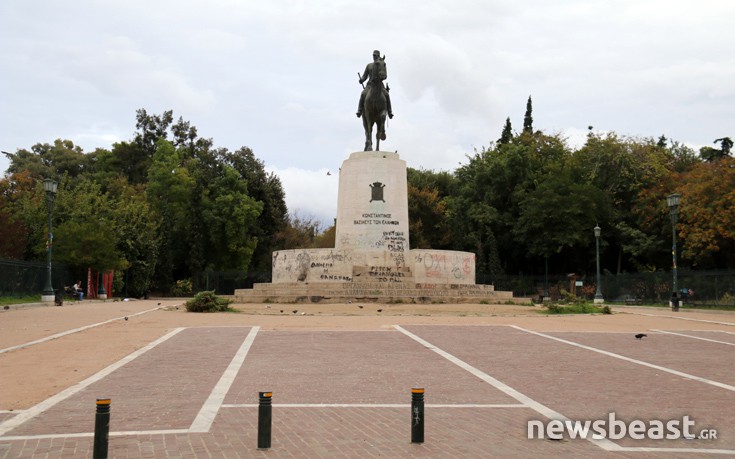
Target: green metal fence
[[705, 288], [20, 278]]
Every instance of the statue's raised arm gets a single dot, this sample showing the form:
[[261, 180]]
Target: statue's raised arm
[[374, 102]]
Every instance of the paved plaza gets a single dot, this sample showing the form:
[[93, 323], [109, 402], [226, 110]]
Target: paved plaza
[[192, 391]]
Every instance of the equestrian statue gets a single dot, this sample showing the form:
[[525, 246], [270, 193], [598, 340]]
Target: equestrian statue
[[374, 103]]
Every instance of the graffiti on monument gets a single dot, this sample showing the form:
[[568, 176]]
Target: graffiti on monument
[[442, 264], [386, 274]]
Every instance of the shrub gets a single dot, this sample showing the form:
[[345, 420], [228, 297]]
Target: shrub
[[576, 308], [606, 310], [182, 287], [207, 301]]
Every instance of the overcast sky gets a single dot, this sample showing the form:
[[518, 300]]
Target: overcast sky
[[280, 76]]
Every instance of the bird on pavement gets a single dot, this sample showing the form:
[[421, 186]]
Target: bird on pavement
[[640, 336]]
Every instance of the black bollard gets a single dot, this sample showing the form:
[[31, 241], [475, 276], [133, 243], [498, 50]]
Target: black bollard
[[101, 428], [265, 414], [417, 415]]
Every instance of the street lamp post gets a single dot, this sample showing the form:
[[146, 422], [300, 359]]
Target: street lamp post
[[598, 293], [673, 202], [49, 186]]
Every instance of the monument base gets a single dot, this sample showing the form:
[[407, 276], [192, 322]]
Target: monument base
[[371, 260], [374, 292], [343, 275]]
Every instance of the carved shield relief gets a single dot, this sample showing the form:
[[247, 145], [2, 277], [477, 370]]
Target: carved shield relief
[[377, 192]]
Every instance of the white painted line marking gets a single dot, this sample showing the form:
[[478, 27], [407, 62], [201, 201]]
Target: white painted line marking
[[14, 422], [603, 443], [211, 406], [629, 359], [681, 318], [91, 434], [645, 449], [544, 410], [375, 405], [69, 332], [693, 337]]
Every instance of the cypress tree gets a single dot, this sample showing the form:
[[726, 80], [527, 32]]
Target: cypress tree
[[507, 135], [528, 118]]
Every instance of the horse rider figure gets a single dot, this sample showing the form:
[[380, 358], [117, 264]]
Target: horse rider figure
[[373, 76]]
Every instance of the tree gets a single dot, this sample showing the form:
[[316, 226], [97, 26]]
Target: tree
[[507, 135], [624, 168], [49, 161], [726, 143], [299, 233], [231, 215], [137, 232], [15, 234], [87, 244], [528, 117], [267, 189], [169, 192], [427, 208], [151, 129], [707, 214], [559, 214], [710, 154], [427, 224]]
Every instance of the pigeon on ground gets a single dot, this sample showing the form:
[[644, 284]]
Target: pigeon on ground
[[640, 335], [380, 310], [159, 304], [295, 311], [359, 306], [281, 311], [126, 317]]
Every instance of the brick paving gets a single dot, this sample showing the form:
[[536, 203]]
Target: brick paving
[[582, 384], [165, 387]]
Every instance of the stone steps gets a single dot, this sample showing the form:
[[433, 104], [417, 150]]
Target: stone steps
[[373, 292]]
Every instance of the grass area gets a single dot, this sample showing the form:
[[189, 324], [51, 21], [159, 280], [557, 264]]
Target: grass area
[[5, 300]]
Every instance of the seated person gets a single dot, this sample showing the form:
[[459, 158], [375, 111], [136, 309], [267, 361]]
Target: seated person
[[77, 290]]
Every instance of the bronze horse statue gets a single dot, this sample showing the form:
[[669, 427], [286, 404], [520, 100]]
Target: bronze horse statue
[[375, 108]]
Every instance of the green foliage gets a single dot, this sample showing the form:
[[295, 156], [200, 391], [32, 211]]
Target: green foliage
[[8, 300], [167, 205], [207, 301], [266, 189], [155, 210], [182, 287], [507, 135], [299, 233], [528, 117], [575, 308], [230, 214]]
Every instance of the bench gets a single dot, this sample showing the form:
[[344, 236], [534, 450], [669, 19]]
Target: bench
[[68, 291], [631, 300]]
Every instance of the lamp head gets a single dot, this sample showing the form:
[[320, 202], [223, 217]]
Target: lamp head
[[673, 200], [50, 186], [598, 230]]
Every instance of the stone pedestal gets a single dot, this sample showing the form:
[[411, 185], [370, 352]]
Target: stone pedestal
[[372, 205], [371, 260]]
